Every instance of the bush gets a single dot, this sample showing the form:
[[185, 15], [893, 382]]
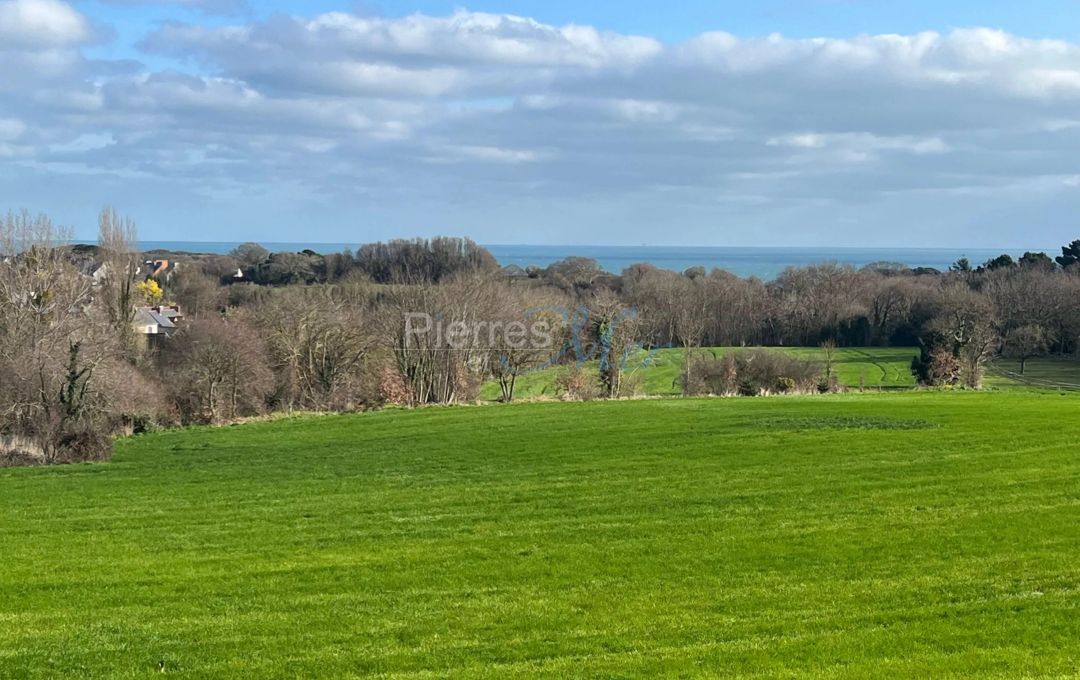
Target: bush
[[632, 385], [753, 373], [785, 384], [19, 452], [576, 384], [937, 364], [702, 375], [393, 388], [83, 445]]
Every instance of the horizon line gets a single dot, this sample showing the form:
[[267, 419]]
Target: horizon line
[[151, 241]]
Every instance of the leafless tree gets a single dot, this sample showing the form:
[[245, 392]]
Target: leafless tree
[[438, 335], [815, 301], [47, 348], [318, 345], [828, 350], [118, 242], [526, 332], [613, 329], [1024, 342], [198, 294], [888, 300], [967, 319], [218, 370]]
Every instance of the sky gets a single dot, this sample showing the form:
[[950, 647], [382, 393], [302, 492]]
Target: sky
[[778, 123]]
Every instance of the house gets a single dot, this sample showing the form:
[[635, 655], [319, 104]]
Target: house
[[162, 270], [157, 322], [99, 271], [150, 321], [170, 312], [513, 271]]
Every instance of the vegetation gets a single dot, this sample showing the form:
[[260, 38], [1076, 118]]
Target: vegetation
[[169, 339], [902, 534], [1053, 373], [659, 372]]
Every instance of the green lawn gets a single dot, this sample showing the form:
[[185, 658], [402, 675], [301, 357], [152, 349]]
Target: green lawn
[[657, 372], [1043, 372], [915, 534]]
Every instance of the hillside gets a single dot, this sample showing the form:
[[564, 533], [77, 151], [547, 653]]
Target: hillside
[[903, 534]]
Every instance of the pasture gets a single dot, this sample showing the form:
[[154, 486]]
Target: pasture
[[1053, 372], [656, 372], [895, 534]]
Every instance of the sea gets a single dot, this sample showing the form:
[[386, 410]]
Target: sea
[[763, 262]]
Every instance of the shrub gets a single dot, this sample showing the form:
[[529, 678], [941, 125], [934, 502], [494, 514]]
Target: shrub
[[393, 389], [785, 384], [575, 384], [19, 451], [752, 373], [937, 365], [632, 385], [83, 445]]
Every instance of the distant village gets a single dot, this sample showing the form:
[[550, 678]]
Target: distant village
[[151, 321]]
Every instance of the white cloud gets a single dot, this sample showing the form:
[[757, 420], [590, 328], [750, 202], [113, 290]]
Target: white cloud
[[487, 153], [41, 23], [11, 128], [488, 112], [862, 143], [802, 141]]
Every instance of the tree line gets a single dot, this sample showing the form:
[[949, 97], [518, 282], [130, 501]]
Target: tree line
[[270, 332]]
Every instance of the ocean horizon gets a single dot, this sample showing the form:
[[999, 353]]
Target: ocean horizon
[[762, 262]]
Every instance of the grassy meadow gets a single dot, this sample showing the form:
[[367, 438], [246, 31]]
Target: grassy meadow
[[1041, 372], [656, 372], [913, 534]]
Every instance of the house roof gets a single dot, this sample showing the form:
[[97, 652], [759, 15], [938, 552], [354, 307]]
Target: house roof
[[149, 317], [158, 267]]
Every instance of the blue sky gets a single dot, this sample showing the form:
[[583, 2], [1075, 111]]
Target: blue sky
[[680, 20], [783, 122]]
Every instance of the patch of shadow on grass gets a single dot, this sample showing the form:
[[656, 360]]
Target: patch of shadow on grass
[[804, 423]]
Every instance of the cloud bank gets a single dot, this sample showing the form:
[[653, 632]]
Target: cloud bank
[[509, 129]]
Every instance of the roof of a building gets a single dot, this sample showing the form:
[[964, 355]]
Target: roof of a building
[[160, 267], [145, 316]]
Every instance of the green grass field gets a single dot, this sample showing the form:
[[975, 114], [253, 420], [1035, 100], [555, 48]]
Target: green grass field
[[913, 534], [1043, 372], [657, 372]]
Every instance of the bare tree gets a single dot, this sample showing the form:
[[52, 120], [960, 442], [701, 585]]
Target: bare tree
[[198, 294], [526, 332], [691, 319], [439, 336], [318, 345], [118, 242], [816, 301], [967, 320], [1025, 342], [219, 369], [613, 331], [47, 353], [828, 349], [889, 300]]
